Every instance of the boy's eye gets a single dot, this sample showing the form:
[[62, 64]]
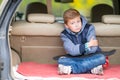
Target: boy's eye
[[72, 23], [78, 21]]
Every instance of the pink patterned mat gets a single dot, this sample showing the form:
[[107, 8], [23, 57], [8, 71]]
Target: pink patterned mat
[[50, 70]]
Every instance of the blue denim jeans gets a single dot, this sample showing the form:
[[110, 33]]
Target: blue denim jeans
[[82, 64]]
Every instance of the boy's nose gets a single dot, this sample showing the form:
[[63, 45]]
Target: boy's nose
[[76, 25]]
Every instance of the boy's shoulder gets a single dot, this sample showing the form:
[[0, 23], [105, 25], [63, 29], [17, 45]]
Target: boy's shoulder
[[88, 25], [64, 31]]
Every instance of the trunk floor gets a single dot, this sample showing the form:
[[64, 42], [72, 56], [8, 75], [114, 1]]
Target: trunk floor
[[50, 70]]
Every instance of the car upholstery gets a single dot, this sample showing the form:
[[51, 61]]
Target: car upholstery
[[38, 39]]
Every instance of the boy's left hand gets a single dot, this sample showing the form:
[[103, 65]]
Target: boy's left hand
[[92, 42]]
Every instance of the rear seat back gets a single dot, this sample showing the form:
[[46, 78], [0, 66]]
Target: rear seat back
[[39, 24], [109, 27], [39, 39]]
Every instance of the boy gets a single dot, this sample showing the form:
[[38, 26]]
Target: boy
[[79, 39]]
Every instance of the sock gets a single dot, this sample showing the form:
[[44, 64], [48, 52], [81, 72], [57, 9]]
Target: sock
[[97, 70], [64, 69]]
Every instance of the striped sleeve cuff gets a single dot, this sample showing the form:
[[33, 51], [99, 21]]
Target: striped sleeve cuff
[[87, 49]]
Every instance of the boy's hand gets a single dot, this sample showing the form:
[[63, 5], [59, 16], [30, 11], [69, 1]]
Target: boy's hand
[[92, 42]]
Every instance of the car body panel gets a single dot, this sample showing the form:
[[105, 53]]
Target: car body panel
[[5, 20]]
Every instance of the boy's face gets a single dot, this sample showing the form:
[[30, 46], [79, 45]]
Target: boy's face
[[74, 25]]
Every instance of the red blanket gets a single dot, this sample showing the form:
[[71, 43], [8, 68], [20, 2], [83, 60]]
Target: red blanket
[[50, 70]]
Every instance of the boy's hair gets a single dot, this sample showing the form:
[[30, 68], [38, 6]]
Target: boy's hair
[[70, 14]]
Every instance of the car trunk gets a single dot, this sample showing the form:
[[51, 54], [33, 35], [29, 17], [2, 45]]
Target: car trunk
[[37, 43]]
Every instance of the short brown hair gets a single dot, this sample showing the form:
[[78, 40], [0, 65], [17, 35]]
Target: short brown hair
[[70, 14]]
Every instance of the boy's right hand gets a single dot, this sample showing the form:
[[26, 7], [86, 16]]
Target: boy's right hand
[[92, 42]]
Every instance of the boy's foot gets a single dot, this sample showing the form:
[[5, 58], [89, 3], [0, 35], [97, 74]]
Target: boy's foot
[[64, 69], [97, 70]]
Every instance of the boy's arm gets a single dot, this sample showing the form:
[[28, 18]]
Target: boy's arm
[[91, 37], [71, 48]]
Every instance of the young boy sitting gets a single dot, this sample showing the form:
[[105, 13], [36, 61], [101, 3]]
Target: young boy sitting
[[79, 39]]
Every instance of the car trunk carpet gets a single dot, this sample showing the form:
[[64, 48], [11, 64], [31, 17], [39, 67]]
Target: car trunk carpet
[[50, 70]]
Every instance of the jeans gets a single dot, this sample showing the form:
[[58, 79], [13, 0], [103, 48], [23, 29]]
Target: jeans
[[82, 64]]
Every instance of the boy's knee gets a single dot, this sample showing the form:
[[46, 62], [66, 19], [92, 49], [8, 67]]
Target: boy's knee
[[101, 58]]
